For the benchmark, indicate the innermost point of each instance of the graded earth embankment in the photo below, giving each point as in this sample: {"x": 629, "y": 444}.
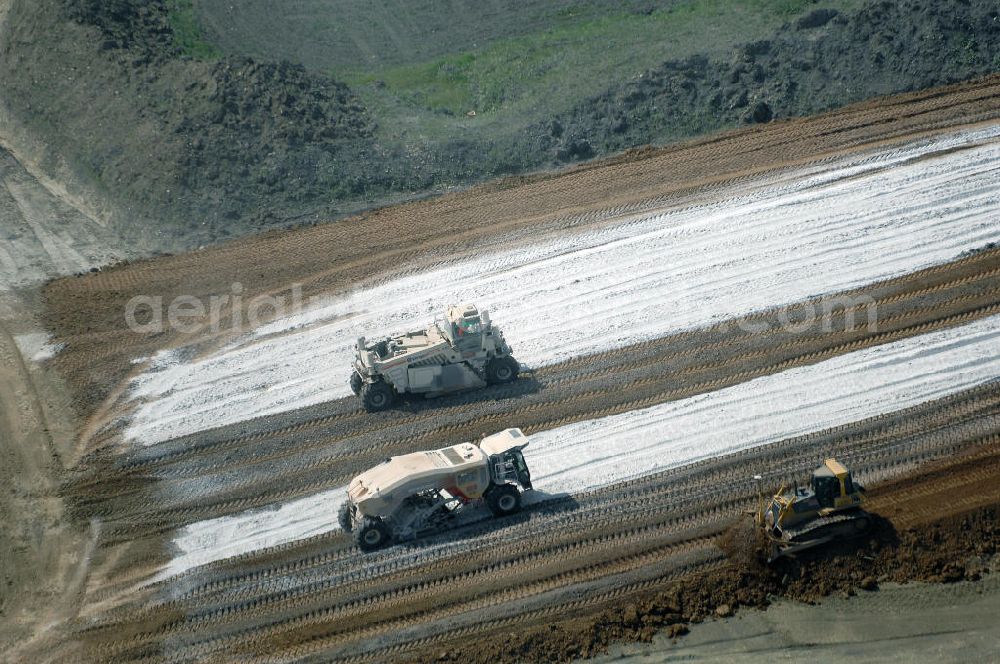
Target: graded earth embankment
{"x": 580, "y": 562}
{"x": 378, "y": 245}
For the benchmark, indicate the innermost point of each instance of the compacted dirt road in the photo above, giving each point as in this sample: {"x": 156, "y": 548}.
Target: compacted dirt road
{"x": 574, "y": 572}
{"x": 44, "y": 553}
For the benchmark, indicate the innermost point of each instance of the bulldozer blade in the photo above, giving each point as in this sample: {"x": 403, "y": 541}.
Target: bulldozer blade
{"x": 788, "y": 551}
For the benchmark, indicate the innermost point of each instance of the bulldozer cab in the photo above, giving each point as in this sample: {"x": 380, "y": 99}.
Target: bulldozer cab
{"x": 832, "y": 485}
{"x": 805, "y": 518}
{"x": 464, "y": 327}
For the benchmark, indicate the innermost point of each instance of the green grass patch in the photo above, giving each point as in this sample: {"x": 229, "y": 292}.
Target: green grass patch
{"x": 187, "y": 31}
{"x": 576, "y": 55}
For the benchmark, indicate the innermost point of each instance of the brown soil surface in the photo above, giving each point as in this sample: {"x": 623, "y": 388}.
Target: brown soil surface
{"x": 277, "y": 458}
{"x": 42, "y": 553}
{"x": 87, "y": 313}
{"x": 566, "y": 559}
{"x": 921, "y": 538}
{"x": 611, "y": 564}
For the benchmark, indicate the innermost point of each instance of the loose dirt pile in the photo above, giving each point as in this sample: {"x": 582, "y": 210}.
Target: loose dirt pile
{"x": 188, "y": 152}
{"x": 183, "y": 152}
{"x": 582, "y": 563}
{"x": 818, "y": 63}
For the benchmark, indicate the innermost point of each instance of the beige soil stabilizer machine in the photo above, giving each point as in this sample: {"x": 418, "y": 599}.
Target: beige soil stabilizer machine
{"x": 464, "y": 351}
{"x": 412, "y": 495}
{"x": 805, "y": 518}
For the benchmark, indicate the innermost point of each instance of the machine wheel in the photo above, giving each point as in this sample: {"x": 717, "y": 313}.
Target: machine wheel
{"x": 372, "y": 535}
{"x": 501, "y": 370}
{"x": 344, "y": 516}
{"x": 356, "y": 383}
{"x": 503, "y": 499}
{"x": 377, "y": 396}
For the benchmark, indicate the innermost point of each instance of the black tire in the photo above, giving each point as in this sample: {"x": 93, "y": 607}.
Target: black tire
{"x": 372, "y": 535}
{"x": 503, "y": 499}
{"x": 344, "y": 516}
{"x": 502, "y": 370}
{"x": 356, "y": 383}
{"x": 377, "y": 396}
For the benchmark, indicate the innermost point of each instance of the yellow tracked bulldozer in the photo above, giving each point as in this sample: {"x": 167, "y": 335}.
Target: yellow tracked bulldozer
{"x": 807, "y": 517}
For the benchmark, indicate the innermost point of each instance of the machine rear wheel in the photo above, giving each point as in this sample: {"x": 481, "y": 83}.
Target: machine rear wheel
{"x": 377, "y": 396}
{"x": 372, "y": 535}
{"x": 344, "y": 517}
{"x": 356, "y": 383}
{"x": 503, "y": 499}
{"x": 502, "y": 370}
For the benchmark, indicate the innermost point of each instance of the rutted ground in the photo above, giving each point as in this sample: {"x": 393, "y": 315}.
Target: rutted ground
{"x": 569, "y": 557}
{"x": 336, "y": 258}
{"x": 577, "y": 556}
{"x": 591, "y": 454}
{"x": 743, "y": 249}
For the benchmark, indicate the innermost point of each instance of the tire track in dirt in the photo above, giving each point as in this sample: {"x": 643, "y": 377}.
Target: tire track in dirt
{"x": 42, "y": 572}
{"x": 99, "y": 360}
{"x": 688, "y": 268}
{"x": 725, "y": 493}
{"x": 906, "y": 424}
{"x": 905, "y": 288}
{"x": 655, "y": 379}
{"x": 285, "y": 601}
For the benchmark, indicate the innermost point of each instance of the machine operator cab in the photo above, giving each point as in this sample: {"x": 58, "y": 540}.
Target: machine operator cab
{"x": 422, "y": 492}
{"x": 462, "y": 351}
{"x": 506, "y": 459}
{"x": 464, "y": 327}
{"x": 833, "y": 486}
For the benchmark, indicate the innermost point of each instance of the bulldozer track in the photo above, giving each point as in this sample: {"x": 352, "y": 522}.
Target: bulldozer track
{"x": 656, "y": 490}
{"x": 925, "y": 500}
{"x": 664, "y": 486}
{"x": 737, "y": 144}
{"x": 242, "y": 441}
{"x": 494, "y": 214}
{"x": 561, "y": 609}
{"x": 396, "y": 601}
{"x": 466, "y": 632}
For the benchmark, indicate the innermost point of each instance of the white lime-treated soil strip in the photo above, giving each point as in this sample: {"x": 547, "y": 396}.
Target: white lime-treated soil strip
{"x": 841, "y": 226}
{"x": 595, "y": 453}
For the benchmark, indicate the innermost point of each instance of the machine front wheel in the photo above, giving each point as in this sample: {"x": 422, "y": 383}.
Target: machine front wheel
{"x": 502, "y": 370}
{"x": 503, "y": 499}
{"x": 372, "y": 535}
{"x": 377, "y": 396}
{"x": 356, "y": 383}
